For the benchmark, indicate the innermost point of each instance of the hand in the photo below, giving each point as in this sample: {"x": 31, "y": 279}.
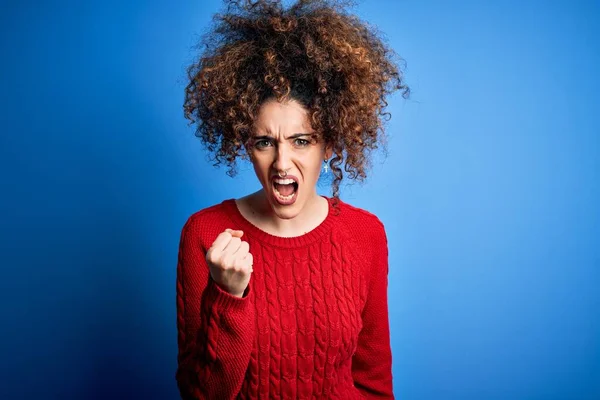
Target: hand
{"x": 230, "y": 262}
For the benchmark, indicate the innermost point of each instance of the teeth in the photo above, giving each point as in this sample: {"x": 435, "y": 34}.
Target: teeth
{"x": 282, "y": 196}
{"x": 284, "y": 181}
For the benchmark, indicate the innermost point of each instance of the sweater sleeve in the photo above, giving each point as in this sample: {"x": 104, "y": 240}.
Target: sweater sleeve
{"x": 372, "y": 362}
{"x": 215, "y": 329}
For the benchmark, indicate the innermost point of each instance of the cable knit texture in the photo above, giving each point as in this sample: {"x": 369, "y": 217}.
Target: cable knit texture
{"x": 313, "y": 321}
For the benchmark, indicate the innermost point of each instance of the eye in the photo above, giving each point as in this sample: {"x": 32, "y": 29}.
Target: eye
{"x": 302, "y": 142}
{"x": 261, "y": 143}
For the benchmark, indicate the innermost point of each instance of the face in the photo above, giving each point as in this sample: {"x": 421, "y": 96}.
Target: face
{"x": 282, "y": 141}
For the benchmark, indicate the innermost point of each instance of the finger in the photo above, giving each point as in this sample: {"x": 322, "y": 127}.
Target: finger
{"x": 221, "y": 241}
{"x": 242, "y": 250}
{"x": 249, "y": 260}
{"x": 224, "y": 237}
{"x": 233, "y": 245}
{"x": 234, "y": 232}
{"x": 248, "y": 257}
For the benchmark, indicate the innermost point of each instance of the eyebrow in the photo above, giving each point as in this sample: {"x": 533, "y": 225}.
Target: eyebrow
{"x": 294, "y": 136}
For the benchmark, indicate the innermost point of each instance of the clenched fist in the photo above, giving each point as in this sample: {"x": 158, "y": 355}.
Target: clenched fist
{"x": 230, "y": 262}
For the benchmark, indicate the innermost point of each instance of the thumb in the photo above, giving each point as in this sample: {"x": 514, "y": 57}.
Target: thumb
{"x": 235, "y": 232}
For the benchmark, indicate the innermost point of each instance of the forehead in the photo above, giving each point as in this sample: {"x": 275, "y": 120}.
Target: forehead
{"x": 274, "y": 117}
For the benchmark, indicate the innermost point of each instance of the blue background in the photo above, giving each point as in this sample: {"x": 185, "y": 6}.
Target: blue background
{"x": 489, "y": 194}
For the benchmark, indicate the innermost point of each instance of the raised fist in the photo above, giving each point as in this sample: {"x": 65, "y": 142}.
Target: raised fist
{"x": 230, "y": 262}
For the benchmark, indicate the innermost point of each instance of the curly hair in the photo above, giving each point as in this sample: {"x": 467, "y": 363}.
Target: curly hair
{"x": 314, "y": 52}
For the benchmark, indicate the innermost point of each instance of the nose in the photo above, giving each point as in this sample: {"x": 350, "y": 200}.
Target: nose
{"x": 283, "y": 161}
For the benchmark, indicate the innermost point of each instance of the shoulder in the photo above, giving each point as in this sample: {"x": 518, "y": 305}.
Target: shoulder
{"x": 361, "y": 214}
{"x": 214, "y": 211}
{"x": 205, "y": 224}
{"x": 368, "y": 235}
{"x": 364, "y": 225}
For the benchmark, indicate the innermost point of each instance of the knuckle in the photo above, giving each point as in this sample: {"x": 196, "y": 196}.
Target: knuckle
{"x": 227, "y": 262}
{"x": 237, "y": 267}
{"x": 211, "y": 257}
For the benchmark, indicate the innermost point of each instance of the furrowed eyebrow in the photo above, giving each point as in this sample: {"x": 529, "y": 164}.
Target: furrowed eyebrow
{"x": 294, "y": 136}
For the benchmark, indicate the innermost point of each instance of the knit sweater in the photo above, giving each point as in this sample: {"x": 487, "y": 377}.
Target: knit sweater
{"x": 312, "y": 323}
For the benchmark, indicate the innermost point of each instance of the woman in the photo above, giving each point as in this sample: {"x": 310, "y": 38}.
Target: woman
{"x": 283, "y": 293}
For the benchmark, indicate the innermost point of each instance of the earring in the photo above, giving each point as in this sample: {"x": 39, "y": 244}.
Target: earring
{"x": 325, "y": 167}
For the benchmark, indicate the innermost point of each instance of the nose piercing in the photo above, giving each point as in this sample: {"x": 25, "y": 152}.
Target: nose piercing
{"x": 284, "y": 174}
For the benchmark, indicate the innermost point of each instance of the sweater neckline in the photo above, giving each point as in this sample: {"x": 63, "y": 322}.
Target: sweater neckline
{"x": 280, "y": 241}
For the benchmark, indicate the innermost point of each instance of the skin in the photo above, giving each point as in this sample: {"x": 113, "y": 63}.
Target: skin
{"x": 301, "y": 156}
{"x": 229, "y": 258}
{"x": 230, "y": 262}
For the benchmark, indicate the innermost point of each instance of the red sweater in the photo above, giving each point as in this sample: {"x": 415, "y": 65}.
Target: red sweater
{"x": 313, "y": 322}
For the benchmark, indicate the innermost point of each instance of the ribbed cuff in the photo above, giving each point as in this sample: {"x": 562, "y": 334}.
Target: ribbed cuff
{"x": 225, "y": 300}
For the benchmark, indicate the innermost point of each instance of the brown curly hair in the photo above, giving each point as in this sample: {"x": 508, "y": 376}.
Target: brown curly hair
{"x": 331, "y": 62}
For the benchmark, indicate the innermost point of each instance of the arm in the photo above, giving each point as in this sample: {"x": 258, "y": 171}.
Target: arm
{"x": 215, "y": 329}
{"x": 372, "y": 362}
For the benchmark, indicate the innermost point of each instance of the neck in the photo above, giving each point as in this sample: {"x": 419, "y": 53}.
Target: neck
{"x": 308, "y": 217}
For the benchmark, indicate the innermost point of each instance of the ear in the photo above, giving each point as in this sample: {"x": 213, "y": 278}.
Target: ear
{"x": 328, "y": 152}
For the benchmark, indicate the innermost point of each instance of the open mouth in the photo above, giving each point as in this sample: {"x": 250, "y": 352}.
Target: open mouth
{"x": 285, "y": 192}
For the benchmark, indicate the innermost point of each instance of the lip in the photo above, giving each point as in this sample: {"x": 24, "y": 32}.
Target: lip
{"x": 293, "y": 199}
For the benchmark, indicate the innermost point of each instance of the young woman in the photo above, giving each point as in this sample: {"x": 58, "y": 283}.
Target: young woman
{"x": 283, "y": 293}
